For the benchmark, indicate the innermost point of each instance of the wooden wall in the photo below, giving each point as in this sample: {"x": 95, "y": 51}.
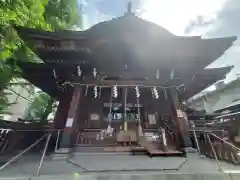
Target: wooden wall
{"x": 89, "y": 105}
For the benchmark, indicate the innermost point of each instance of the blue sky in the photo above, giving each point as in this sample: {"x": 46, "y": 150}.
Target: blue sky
{"x": 208, "y": 18}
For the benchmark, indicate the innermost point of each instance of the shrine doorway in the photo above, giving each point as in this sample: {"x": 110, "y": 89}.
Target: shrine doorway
{"x": 117, "y": 115}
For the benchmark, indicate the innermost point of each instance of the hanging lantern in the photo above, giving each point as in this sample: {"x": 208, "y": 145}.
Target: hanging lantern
{"x": 95, "y": 92}
{"x": 115, "y": 91}
{"x": 137, "y": 92}
{"x": 157, "y": 74}
{"x": 94, "y": 72}
{"x": 79, "y": 71}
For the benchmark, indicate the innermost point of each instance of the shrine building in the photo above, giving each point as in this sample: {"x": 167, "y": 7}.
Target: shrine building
{"x": 122, "y": 84}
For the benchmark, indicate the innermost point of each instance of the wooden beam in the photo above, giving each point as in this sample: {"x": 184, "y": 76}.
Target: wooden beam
{"x": 120, "y": 83}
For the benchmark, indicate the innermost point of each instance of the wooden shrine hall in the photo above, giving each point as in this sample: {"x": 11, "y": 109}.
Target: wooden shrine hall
{"x": 121, "y": 84}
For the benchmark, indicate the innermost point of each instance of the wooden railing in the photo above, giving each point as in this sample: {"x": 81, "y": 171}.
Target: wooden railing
{"x": 204, "y": 125}
{"x": 8, "y": 140}
{"x": 173, "y": 134}
{"x": 12, "y": 140}
{"x": 170, "y": 132}
{"x": 215, "y": 147}
{"x": 93, "y": 137}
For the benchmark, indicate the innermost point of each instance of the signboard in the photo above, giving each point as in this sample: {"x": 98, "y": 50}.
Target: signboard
{"x": 151, "y": 119}
{"x": 180, "y": 113}
{"x": 69, "y": 122}
{"x": 94, "y": 117}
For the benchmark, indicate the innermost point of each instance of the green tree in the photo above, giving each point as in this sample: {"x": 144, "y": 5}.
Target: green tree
{"x": 62, "y": 14}
{"x": 41, "y": 106}
{"x": 41, "y": 14}
{"x": 4, "y": 103}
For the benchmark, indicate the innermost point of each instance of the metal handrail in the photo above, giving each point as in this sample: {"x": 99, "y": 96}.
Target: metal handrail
{"x": 195, "y": 138}
{"x": 201, "y": 130}
{"x": 165, "y": 124}
{"x": 23, "y": 152}
{"x": 169, "y": 132}
{"x": 214, "y": 152}
{"x": 57, "y": 140}
{"x": 230, "y": 144}
{"x": 44, "y": 153}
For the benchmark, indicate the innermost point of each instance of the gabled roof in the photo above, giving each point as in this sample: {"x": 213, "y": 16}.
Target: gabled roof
{"x": 204, "y": 79}
{"x": 127, "y": 47}
{"x": 127, "y": 40}
{"x": 222, "y": 88}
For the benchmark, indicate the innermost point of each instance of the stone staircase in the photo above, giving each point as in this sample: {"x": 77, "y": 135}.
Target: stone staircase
{"x": 144, "y": 176}
{"x": 125, "y": 167}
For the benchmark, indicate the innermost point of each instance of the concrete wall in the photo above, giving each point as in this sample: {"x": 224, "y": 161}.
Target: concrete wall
{"x": 218, "y": 99}
{"x": 19, "y": 98}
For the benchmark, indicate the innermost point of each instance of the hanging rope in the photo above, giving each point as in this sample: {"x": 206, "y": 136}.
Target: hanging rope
{"x": 140, "y": 132}
{"x": 125, "y": 85}
{"x": 100, "y": 91}
{"x": 165, "y": 93}
{"x": 86, "y": 91}
{"x": 109, "y": 128}
{"x": 125, "y": 110}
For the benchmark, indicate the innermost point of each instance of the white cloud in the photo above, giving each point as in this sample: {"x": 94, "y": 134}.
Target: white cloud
{"x": 224, "y": 16}
{"x": 91, "y": 14}
{"x": 176, "y": 15}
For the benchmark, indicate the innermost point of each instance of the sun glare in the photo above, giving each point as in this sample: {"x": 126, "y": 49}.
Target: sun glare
{"x": 176, "y": 15}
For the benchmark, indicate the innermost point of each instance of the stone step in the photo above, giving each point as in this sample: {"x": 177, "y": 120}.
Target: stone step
{"x": 88, "y": 149}
{"x": 190, "y": 150}
{"x": 60, "y": 156}
{"x": 144, "y": 176}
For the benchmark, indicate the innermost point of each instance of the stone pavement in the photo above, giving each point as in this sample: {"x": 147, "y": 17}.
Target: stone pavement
{"x": 99, "y": 167}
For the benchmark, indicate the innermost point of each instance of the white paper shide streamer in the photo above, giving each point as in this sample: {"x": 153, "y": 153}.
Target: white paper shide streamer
{"x": 155, "y": 93}
{"x": 115, "y": 91}
{"x": 94, "y": 72}
{"x": 95, "y": 91}
{"x": 79, "y": 71}
{"x": 137, "y": 92}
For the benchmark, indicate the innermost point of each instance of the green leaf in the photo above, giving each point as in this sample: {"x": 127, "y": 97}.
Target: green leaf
{"x": 40, "y": 14}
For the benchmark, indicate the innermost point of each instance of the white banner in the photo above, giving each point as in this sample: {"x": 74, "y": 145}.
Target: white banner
{"x": 69, "y": 122}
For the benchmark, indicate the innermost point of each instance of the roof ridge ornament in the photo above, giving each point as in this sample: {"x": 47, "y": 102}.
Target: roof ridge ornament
{"x": 129, "y": 9}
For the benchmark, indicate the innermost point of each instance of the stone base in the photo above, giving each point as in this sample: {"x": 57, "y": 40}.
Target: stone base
{"x": 166, "y": 176}
{"x": 63, "y": 151}
{"x": 62, "y": 154}
{"x": 190, "y": 150}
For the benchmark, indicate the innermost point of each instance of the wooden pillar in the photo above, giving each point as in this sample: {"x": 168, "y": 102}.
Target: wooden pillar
{"x": 180, "y": 117}
{"x": 66, "y": 140}
{"x": 61, "y": 114}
